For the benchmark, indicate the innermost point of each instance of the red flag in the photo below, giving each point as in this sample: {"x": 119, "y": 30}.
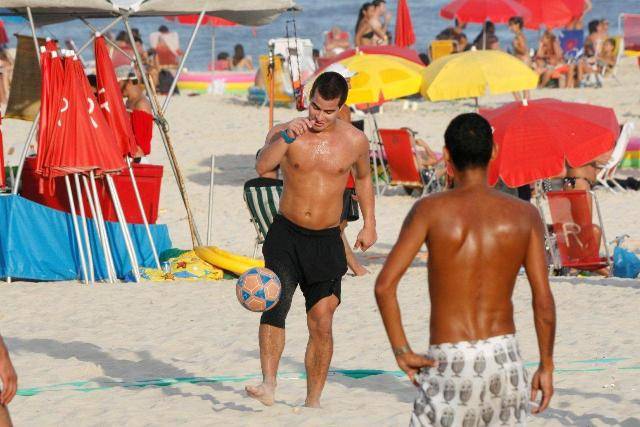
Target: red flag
{"x": 82, "y": 140}
{"x": 111, "y": 102}
{"x": 404, "y": 28}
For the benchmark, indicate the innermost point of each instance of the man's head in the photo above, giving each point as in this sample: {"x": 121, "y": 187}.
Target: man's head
{"x": 516, "y": 23}
{"x": 468, "y": 142}
{"x": 381, "y": 7}
{"x": 594, "y": 26}
{"x": 328, "y": 94}
{"x": 163, "y": 29}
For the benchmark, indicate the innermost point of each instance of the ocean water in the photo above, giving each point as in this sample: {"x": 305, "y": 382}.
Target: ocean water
{"x": 317, "y": 17}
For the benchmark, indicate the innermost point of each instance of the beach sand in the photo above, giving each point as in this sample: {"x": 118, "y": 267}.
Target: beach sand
{"x": 84, "y": 350}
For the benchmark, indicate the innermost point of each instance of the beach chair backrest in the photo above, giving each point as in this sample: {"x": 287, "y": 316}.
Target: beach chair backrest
{"x": 617, "y": 156}
{"x": 401, "y": 160}
{"x": 262, "y": 196}
{"x": 631, "y": 32}
{"x": 440, "y": 48}
{"x": 572, "y": 42}
{"x": 578, "y": 239}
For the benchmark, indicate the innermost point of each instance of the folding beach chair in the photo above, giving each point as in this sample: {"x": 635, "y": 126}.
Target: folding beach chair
{"x": 575, "y": 241}
{"x": 572, "y": 43}
{"x": 262, "y": 196}
{"x": 629, "y": 27}
{"x": 440, "y": 48}
{"x": 617, "y": 156}
{"x": 402, "y": 164}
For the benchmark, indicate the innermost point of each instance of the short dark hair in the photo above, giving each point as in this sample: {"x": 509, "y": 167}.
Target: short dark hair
{"x": 331, "y": 85}
{"x": 469, "y": 140}
{"x": 516, "y": 20}
{"x": 593, "y": 26}
{"x": 377, "y": 3}
{"x": 163, "y": 29}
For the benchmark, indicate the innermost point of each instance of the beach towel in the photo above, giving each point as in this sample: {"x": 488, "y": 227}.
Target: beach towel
{"x": 187, "y": 266}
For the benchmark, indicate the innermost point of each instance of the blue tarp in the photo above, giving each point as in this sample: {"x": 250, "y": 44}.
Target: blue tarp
{"x": 38, "y": 243}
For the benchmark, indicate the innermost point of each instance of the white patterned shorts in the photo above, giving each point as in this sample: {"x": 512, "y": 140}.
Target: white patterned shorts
{"x": 476, "y": 383}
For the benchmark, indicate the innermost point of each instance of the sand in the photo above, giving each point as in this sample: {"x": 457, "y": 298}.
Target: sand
{"x": 88, "y": 348}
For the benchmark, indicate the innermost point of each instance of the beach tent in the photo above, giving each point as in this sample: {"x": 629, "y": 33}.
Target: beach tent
{"x": 244, "y": 12}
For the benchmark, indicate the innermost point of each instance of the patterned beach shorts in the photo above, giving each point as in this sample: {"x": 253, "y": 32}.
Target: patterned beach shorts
{"x": 476, "y": 383}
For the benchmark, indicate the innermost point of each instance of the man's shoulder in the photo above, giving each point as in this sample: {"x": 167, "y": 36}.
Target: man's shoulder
{"x": 351, "y": 132}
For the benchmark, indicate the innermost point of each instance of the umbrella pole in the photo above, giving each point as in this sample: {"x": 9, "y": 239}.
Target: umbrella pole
{"x": 143, "y": 214}
{"x": 98, "y": 220}
{"x": 164, "y": 133}
{"x": 85, "y": 230}
{"x": 76, "y": 230}
{"x": 380, "y": 148}
{"x": 180, "y": 66}
{"x": 210, "y": 217}
{"x": 125, "y": 229}
{"x": 272, "y": 83}
{"x": 23, "y": 154}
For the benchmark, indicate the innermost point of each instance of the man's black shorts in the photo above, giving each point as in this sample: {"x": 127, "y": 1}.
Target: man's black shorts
{"x": 315, "y": 259}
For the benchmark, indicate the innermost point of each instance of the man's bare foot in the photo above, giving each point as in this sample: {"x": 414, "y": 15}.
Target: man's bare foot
{"x": 359, "y": 270}
{"x": 312, "y": 404}
{"x": 263, "y": 393}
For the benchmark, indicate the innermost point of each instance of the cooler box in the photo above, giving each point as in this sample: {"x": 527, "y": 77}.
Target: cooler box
{"x": 148, "y": 177}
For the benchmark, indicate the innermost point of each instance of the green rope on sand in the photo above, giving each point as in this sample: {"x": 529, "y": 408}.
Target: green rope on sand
{"x": 89, "y": 386}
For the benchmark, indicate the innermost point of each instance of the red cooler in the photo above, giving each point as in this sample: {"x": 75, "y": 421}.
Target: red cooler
{"x": 148, "y": 177}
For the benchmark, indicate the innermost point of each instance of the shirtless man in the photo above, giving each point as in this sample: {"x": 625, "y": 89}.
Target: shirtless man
{"x": 303, "y": 246}
{"x": 9, "y": 382}
{"x": 477, "y": 238}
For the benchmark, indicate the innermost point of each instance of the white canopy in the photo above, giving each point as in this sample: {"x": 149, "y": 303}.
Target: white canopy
{"x": 245, "y": 12}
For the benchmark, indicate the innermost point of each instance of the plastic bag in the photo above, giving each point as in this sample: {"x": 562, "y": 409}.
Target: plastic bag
{"x": 626, "y": 264}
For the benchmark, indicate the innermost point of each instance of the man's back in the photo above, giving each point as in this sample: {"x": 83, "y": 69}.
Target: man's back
{"x": 475, "y": 253}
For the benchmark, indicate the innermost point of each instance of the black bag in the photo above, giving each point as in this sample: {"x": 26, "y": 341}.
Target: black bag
{"x": 165, "y": 79}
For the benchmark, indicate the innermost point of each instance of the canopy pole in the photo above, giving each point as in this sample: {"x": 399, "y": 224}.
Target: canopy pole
{"x": 182, "y": 62}
{"x": 128, "y": 242}
{"x": 210, "y": 217}
{"x": 102, "y": 229}
{"x": 23, "y": 154}
{"x": 85, "y": 230}
{"x": 93, "y": 37}
{"x": 76, "y": 230}
{"x": 108, "y": 40}
{"x": 164, "y": 133}
{"x": 33, "y": 33}
{"x": 143, "y": 214}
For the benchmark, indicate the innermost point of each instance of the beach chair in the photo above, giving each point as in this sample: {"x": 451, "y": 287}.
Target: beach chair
{"x": 575, "y": 242}
{"x": 619, "y": 52}
{"x": 440, "y": 48}
{"x": 262, "y": 196}
{"x": 629, "y": 27}
{"x": 617, "y": 156}
{"x": 572, "y": 43}
{"x": 402, "y": 164}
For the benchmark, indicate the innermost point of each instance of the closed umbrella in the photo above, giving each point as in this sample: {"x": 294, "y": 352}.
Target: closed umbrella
{"x": 110, "y": 98}
{"x": 479, "y": 11}
{"x": 475, "y": 73}
{"x": 537, "y": 138}
{"x": 404, "y": 28}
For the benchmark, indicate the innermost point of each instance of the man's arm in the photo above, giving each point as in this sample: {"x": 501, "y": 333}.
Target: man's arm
{"x": 275, "y": 146}
{"x": 364, "y": 189}
{"x": 544, "y": 311}
{"x": 7, "y": 376}
{"x": 412, "y": 236}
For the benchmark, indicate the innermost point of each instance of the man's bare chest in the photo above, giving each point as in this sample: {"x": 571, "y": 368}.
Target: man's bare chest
{"x": 323, "y": 155}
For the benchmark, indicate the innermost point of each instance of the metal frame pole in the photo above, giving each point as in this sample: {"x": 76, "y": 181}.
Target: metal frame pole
{"x": 96, "y": 211}
{"x": 97, "y": 32}
{"x": 210, "y": 217}
{"x": 174, "y": 83}
{"x": 85, "y": 230}
{"x": 23, "y": 154}
{"x": 380, "y": 149}
{"x": 164, "y": 133}
{"x": 76, "y": 230}
{"x": 123, "y": 226}
{"x": 143, "y": 213}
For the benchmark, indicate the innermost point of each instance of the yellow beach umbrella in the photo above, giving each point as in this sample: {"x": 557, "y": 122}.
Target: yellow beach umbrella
{"x": 473, "y": 73}
{"x": 381, "y": 78}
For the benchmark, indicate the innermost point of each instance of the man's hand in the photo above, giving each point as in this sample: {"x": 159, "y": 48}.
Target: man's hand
{"x": 543, "y": 381}
{"x": 366, "y": 238}
{"x": 298, "y": 127}
{"x": 411, "y": 363}
{"x": 8, "y": 377}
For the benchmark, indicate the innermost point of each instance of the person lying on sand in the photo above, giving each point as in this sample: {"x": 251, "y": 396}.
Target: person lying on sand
{"x": 9, "y": 384}
{"x": 477, "y": 238}
{"x": 303, "y": 246}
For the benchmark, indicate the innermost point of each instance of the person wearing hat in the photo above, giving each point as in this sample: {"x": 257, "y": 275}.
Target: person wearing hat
{"x": 139, "y": 108}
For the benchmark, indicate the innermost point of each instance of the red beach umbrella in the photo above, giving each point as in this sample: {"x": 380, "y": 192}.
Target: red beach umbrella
{"x": 404, "y": 28}
{"x": 110, "y": 98}
{"x": 536, "y": 138}
{"x": 549, "y": 14}
{"x": 213, "y": 21}
{"x": 82, "y": 140}
{"x": 479, "y": 11}
{"x": 400, "y": 52}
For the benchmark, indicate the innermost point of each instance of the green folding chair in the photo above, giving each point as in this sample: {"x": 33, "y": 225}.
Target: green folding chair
{"x": 262, "y": 196}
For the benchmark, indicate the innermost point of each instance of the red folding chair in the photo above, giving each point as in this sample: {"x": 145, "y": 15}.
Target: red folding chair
{"x": 400, "y": 159}
{"x": 577, "y": 239}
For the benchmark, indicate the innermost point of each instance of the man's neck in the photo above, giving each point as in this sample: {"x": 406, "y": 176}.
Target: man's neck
{"x": 475, "y": 178}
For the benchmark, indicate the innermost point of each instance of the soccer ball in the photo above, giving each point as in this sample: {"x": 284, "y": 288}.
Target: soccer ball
{"x": 258, "y": 289}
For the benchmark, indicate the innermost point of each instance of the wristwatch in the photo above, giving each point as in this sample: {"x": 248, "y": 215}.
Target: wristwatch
{"x": 286, "y": 137}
